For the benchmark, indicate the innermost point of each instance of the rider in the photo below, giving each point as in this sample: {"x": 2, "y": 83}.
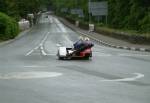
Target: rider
{"x": 83, "y": 44}
{"x": 88, "y": 43}
{"x": 79, "y": 44}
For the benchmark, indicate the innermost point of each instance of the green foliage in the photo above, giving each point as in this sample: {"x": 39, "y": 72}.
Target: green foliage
{"x": 145, "y": 24}
{"x": 8, "y": 27}
{"x": 129, "y": 14}
{"x": 16, "y": 9}
{"x": 28, "y": 6}
{"x": 118, "y": 12}
{"x": 122, "y": 14}
{"x": 10, "y": 8}
{"x": 20, "y": 8}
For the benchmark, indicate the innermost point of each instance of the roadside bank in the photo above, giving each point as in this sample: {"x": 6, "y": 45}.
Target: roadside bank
{"x": 106, "y": 40}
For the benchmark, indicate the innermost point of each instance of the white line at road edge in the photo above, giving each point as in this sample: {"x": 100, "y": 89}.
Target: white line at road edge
{"x": 29, "y": 75}
{"x": 138, "y": 76}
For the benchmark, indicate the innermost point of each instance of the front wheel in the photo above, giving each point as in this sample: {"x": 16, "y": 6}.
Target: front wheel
{"x": 87, "y": 57}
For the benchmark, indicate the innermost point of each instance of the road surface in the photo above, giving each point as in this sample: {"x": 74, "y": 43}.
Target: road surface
{"x": 31, "y": 73}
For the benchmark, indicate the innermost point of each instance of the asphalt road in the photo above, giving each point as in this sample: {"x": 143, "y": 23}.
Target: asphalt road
{"x": 31, "y": 73}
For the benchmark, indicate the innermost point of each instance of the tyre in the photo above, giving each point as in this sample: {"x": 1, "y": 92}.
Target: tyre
{"x": 86, "y": 57}
{"x": 60, "y": 58}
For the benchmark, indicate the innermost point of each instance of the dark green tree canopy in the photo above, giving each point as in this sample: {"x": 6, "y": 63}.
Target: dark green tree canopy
{"x": 20, "y": 8}
{"x": 122, "y": 14}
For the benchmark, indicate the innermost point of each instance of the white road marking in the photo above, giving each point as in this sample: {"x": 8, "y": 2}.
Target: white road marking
{"x": 42, "y": 50}
{"x": 58, "y": 45}
{"x": 45, "y": 37}
{"x": 40, "y": 46}
{"x": 31, "y": 51}
{"x": 34, "y": 66}
{"x": 29, "y": 75}
{"x": 138, "y": 76}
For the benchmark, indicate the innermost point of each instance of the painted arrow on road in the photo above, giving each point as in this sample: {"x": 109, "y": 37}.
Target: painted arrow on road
{"x": 137, "y": 76}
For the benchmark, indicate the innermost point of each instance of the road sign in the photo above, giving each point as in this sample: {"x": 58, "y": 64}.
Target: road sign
{"x": 99, "y": 12}
{"x": 98, "y": 8}
{"x": 77, "y": 11}
{"x": 64, "y": 10}
{"x": 73, "y": 11}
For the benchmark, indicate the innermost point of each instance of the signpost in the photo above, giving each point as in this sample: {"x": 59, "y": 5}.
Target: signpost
{"x": 98, "y": 9}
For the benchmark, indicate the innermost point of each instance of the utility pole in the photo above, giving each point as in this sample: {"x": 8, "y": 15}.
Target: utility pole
{"x": 57, "y": 9}
{"x": 89, "y": 12}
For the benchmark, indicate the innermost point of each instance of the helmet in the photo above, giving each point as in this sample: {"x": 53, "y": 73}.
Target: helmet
{"x": 86, "y": 39}
{"x": 80, "y": 38}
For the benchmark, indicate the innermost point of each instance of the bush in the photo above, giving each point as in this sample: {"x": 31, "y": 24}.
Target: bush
{"x": 145, "y": 24}
{"x": 9, "y": 28}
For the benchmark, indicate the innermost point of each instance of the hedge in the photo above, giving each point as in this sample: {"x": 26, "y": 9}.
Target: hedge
{"x": 9, "y": 28}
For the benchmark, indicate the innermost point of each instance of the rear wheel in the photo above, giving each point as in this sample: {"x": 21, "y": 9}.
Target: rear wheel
{"x": 87, "y": 57}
